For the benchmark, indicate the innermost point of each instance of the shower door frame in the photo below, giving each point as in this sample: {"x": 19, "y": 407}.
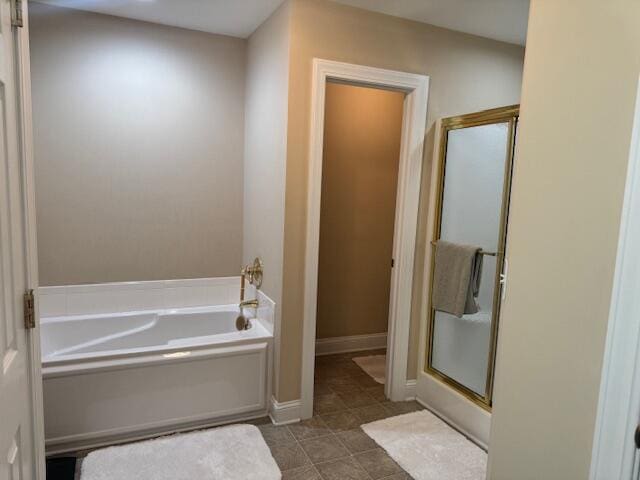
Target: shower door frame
{"x": 508, "y": 115}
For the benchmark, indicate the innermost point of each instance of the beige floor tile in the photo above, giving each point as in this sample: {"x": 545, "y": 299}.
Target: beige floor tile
{"x": 289, "y": 455}
{"x": 324, "y": 449}
{"x": 274, "y": 435}
{"x": 377, "y": 463}
{"x": 329, "y": 403}
{"x": 357, "y": 441}
{"x": 343, "y": 469}
{"x": 342, "y": 421}
{"x": 302, "y": 473}
{"x": 311, "y": 428}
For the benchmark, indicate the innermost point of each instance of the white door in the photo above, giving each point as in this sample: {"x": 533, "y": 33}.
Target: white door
{"x": 17, "y": 448}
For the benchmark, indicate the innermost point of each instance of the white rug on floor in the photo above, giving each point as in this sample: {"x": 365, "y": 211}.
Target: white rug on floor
{"x": 237, "y": 452}
{"x": 374, "y": 365}
{"x": 427, "y": 448}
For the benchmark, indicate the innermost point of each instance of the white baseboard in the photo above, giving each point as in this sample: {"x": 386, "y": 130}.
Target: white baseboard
{"x": 88, "y": 442}
{"x": 355, "y": 343}
{"x": 285, "y": 412}
{"x": 461, "y": 413}
{"x": 411, "y": 390}
{"x": 454, "y": 425}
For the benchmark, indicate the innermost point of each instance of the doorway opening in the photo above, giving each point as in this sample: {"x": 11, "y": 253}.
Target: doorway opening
{"x": 362, "y": 132}
{"x": 365, "y": 170}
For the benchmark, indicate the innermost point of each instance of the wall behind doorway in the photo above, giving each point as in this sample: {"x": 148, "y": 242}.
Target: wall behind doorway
{"x": 466, "y": 73}
{"x": 138, "y": 132}
{"x": 362, "y": 136}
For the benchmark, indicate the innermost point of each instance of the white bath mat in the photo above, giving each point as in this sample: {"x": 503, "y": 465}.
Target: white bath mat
{"x": 427, "y": 448}
{"x": 237, "y": 452}
{"x": 374, "y": 365}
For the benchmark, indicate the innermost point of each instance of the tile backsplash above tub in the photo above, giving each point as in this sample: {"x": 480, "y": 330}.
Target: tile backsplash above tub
{"x": 132, "y": 296}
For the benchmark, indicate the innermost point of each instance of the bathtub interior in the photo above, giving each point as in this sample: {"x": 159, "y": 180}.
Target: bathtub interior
{"x": 177, "y": 313}
{"x": 92, "y": 335}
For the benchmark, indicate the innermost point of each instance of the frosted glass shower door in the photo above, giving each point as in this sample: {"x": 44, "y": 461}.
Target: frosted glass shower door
{"x": 472, "y": 200}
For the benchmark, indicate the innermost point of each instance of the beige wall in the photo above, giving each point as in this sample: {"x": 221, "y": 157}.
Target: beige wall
{"x": 362, "y": 132}
{"x": 266, "y": 147}
{"x": 265, "y": 143}
{"x": 138, "y": 144}
{"x": 467, "y": 74}
{"x": 580, "y": 78}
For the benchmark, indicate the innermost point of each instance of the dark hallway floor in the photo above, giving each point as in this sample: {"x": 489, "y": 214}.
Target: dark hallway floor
{"x": 331, "y": 445}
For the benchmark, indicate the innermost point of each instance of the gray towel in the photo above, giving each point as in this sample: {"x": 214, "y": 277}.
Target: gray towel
{"x": 456, "y": 278}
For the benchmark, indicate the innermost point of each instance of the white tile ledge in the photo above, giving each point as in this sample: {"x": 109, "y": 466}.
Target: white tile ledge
{"x": 139, "y": 285}
{"x": 55, "y": 301}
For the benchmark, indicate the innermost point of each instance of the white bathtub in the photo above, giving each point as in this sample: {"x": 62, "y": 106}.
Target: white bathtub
{"x": 119, "y": 376}
{"x": 79, "y": 339}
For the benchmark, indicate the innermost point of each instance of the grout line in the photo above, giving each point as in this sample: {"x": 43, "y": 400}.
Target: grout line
{"x": 295, "y": 439}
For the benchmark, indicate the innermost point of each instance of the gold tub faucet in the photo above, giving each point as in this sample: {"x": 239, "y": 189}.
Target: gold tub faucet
{"x": 253, "y": 273}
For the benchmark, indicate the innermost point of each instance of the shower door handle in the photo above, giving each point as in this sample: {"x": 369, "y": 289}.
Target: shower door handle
{"x": 503, "y": 280}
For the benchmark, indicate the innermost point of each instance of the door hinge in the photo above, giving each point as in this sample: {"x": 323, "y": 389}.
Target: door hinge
{"x": 16, "y": 13}
{"x": 393, "y": 262}
{"x": 29, "y": 310}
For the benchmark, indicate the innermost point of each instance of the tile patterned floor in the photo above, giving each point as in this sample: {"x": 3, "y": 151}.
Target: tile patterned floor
{"x": 331, "y": 445}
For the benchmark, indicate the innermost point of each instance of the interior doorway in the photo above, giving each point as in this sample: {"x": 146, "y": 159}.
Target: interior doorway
{"x": 362, "y": 132}
{"x": 399, "y": 202}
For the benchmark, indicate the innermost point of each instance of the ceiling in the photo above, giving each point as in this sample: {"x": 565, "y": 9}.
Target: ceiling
{"x": 238, "y": 18}
{"x": 504, "y": 20}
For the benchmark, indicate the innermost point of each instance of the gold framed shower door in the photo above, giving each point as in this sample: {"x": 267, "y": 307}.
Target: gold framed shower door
{"x": 510, "y": 116}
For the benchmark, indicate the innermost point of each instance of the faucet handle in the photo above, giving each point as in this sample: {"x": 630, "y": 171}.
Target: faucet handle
{"x": 254, "y": 272}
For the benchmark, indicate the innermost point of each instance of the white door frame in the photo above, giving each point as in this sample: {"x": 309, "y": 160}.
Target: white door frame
{"x": 614, "y": 454}
{"x": 25, "y": 129}
{"x": 414, "y": 120}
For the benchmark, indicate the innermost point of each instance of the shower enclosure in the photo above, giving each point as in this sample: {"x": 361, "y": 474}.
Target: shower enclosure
{"x": 472, "y": 205}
